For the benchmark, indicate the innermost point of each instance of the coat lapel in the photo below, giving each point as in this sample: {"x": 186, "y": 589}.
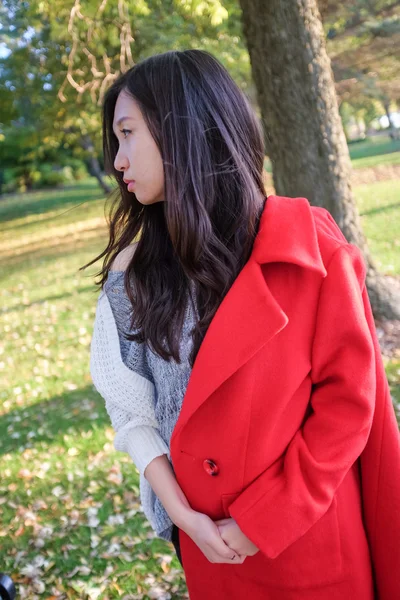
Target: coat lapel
{"x": 249, "y": 315}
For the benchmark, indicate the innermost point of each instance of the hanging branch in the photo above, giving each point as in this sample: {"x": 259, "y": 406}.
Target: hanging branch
{"x": 98, "y": 79}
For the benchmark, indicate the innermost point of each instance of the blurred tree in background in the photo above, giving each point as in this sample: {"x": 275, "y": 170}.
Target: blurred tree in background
{"x": 59, "y": 57}
{"x": 64, "y": 54}
{"x": 363, "y": 41}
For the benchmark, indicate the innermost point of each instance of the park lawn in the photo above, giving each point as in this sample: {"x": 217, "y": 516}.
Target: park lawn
{"x": 69, "y": 509}
{"x": 374, "y": 152}
{"x": 71, "y": 523}
{"x": 392, "y": 158}
{"x": 379, "y": 209}
{"x": 373, "y": 147}
{"x": 371, "y": 152}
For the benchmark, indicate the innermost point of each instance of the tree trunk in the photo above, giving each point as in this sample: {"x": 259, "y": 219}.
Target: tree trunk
{"x": 92, "y": 163}
{"x": 303, "y": 131}
{"x": 393, "y": 133}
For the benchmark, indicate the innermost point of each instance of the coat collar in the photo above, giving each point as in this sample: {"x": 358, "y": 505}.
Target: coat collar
{"x": 249, "y": 315}
{"x": 287, "y": 233}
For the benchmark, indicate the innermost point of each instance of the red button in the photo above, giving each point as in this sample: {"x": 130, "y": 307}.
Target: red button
{"x": 210, "y": 467}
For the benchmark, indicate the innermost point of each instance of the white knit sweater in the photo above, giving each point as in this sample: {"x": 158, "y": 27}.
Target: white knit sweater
{"x": 143, "y": 393}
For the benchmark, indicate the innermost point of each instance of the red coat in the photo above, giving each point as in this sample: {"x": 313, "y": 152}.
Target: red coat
{"x": 289, "y": 400}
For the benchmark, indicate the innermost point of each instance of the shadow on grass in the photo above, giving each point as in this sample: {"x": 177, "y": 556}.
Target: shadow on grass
{"x": 47, "y": 221}
{"x": 373, "y": 147}
{"x": 20, "y": 307}
{"x": 380, "y": 209}
{"x": 62, "y": 415}
{"x": 51, "y": 419}
{"x": 42, "y": 201}
{"x": 38, "y": 259}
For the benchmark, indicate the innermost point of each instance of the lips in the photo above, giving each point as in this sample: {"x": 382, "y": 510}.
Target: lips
{"x": 130, "y": 183}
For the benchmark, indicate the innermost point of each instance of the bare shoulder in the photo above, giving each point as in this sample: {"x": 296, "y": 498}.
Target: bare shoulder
{"x": 123, "y": 258}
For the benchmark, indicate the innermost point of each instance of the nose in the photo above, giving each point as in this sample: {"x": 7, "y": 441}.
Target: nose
{"x": 120, "y": 162}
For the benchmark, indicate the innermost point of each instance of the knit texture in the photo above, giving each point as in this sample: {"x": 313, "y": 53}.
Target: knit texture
{"x": 143, "y": 393}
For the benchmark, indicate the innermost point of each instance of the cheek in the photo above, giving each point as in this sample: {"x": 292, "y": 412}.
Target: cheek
{"x": 131, "y": 148}
{"x": 139, "y": 153}
{"x": 152, "y": 163}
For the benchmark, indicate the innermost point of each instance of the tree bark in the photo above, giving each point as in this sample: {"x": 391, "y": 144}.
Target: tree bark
{"x": 304, "y": 135}
{"x": 92, "y": 163}
{"x": 393, "y": 133}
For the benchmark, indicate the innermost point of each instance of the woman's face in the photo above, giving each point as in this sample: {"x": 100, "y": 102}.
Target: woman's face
{"x": 138, "y": 156}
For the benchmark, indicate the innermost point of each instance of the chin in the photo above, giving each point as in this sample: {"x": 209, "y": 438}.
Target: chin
{"x": 143, "y": 199}
{"x": 151, "y": 201}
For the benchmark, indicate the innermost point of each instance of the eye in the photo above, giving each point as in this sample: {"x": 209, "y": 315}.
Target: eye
{"x": 125, "y": 132}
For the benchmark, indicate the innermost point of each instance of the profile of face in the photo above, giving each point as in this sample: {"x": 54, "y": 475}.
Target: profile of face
{"x": 138, "y": 156}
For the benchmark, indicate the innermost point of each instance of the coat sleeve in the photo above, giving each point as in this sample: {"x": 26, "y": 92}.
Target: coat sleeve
{"x": 380, "y": 481}
{"x": 282, "y": 504}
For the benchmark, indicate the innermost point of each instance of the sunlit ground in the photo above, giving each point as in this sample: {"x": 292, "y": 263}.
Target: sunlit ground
{"x": 70, "y": 520}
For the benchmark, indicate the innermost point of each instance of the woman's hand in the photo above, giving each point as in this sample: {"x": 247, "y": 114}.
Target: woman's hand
{"x": 234, "y": 537}
{"x": 205, "y": 534}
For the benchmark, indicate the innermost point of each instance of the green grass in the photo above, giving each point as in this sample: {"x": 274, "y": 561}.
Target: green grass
{"x": 59, "y": 470}
{"x": 57, "y": 460}
{"x": 379, "y": 207}
{"x": 376, "y": 161}
{"x": 373, "y": 146}
{"x": 371, "y": 152}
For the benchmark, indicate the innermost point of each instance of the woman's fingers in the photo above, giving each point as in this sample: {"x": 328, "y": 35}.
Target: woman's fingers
{"x": 224, "y": 552}
{"x": 205, "y": 534}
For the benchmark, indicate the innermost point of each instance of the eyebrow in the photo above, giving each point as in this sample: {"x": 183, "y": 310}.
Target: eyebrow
{"x": 123, "y": 119}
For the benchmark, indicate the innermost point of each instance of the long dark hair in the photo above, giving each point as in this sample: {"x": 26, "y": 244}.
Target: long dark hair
{"x": 212, "y": 146}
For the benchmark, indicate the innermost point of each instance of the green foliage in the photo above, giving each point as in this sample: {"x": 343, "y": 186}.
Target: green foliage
{"x": 365, "y": 108}
{"x": 77, "y": 168}
{"x": 47, "y": 176}
{"x": 48, "y": 40}
{"x": 362, "y": 42}
{"x": 31, "y": 161}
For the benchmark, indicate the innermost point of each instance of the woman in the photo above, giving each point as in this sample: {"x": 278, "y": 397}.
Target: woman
{"x": 235, "y": 349}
